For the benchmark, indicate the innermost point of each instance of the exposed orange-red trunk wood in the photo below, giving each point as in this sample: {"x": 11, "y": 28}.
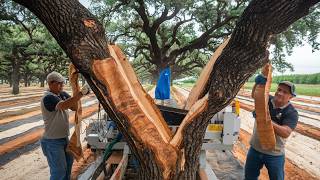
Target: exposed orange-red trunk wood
{"x": 74, "y": 145}
{"x": 144, "y": 97}
{"x": 143, "y": 121}
{"x": 264, "y": 124}
{"x": 199, "y": 107}
{"x": 198, "y": 88}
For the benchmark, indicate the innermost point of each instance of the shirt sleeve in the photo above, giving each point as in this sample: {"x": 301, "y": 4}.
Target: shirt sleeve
{"x": 291, "y": 119}
{"x": 50, "y": 102}
{"x": 65, "y": 95}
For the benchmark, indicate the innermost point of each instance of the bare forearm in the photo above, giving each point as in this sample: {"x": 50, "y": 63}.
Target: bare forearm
{"x": 282, "y": 131}
{"x": 70, "y": 103}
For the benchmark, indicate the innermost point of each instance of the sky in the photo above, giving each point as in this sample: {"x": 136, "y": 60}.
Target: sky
{"x": 304, "y": 61}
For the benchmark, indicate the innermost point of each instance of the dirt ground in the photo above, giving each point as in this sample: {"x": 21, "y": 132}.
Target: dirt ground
{"x": 303, "y": 160}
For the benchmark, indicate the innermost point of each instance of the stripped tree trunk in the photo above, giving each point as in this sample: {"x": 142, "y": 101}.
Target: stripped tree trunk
{"x": 161, "y": 154}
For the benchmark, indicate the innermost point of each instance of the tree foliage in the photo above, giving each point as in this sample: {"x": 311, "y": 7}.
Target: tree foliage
{"x": 184, "y": 34}
{"x": 27, "y": 52}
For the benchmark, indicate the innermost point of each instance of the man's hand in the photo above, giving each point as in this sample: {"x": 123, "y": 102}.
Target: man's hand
{"x": 85, "y": 89}
{"x": 260, "y": 79}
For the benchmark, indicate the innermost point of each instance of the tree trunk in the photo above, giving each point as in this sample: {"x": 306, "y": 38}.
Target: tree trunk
{"x": 15, "y": 76}
{"x": 9, "y": 79}
{"x": 155, "y": 77}
{"x": 26, "y": 79}
{"x": 161, "y": 154}
{"x": 42, "y": 80}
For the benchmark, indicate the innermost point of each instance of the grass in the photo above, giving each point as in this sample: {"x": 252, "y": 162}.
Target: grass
{"x": 301, "y": 89}
{"x": 147, "y": 87}
{"x": 186, "y": 85}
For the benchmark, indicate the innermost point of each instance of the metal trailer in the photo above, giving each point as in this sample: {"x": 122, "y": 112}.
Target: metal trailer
{"x": 221, "y": 134}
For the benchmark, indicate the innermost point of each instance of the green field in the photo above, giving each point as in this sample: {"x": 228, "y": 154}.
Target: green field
{"x": 187, "y": 85}
{"x": 302, "y": 89}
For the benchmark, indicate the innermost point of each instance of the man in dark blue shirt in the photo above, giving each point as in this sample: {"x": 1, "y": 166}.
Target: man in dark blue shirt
{"x": 284, "y": 120}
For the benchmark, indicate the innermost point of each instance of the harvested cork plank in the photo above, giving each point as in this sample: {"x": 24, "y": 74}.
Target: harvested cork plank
{"x": 264, "y": 124}
{"x": 198, "y": 88}
{"x": 74, "y": 146}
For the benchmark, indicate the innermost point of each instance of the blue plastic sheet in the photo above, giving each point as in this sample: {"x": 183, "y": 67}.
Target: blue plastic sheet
{"x": 163, "y": 85}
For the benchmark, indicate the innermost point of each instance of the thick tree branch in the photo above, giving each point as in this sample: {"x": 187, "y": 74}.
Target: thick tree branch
{"x": 202, "y": 40}
{"x": 164, "y": 17}
{"x": 168, "y": 45}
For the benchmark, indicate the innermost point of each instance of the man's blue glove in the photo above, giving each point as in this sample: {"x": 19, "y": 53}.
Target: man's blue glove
{"x": 260, "y": 79}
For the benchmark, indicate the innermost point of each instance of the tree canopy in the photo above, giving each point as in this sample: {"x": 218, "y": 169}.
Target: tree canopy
{"x": 154, "y": 34}
{"x": 183, "y": 35}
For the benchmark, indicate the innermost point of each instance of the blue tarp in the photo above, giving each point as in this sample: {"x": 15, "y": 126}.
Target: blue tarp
{"x": 163, "y": 85}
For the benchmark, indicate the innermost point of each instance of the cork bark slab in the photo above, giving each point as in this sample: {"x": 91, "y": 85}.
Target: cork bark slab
{"x": 198, "y": 88}
{"x": 264, "y": 125}
{"x": 74, "y": 146}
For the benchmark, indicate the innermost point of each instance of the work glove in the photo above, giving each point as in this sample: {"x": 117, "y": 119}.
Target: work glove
{"x": 260, "y": 79}
{"x": 254, "y": 114}
{"x": 85, "y": 89}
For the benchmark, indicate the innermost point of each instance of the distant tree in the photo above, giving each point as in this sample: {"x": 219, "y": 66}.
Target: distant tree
{"x": 298, "y": 78}
{"x": 27, "y": 47}
{"x": 183, "y": 34}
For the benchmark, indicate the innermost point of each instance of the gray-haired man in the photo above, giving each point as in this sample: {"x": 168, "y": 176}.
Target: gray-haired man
{"x": 54, "y": 107}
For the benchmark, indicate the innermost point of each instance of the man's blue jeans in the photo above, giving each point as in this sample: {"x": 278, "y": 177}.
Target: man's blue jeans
{"x": 60, "y": 161}
{"x": 256, "y": 160}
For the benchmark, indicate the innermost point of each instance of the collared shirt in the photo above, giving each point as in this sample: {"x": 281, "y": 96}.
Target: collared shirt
{"x": 56, "y": 122}
{"x": 285, "y": 115}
